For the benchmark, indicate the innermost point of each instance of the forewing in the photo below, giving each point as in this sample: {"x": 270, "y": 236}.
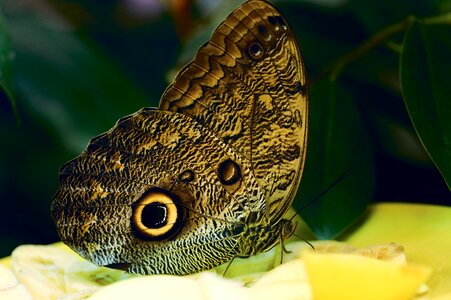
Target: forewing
{"x": 247, "y": 85}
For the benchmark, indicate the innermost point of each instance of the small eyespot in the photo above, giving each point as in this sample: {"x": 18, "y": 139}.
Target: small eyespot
{"x": 281, "y": 22}
{"x": 186, "y": 176}
{"x": 277, "y": 22}
{"x": 263, "y": 31}
{"x": 255, "y": 50}
{"x": 229, "y": 172}
{"x": 156, "y": 216}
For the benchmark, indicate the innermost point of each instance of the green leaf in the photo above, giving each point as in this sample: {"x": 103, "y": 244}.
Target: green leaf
{"x": 312, "y": 27}
{"x": 425, "y": 69}
{"x": 376, "y": 15}
{"x": 68, "y": 84}
{"x": 6, "y": 57}
{"x": 338, "y": 141}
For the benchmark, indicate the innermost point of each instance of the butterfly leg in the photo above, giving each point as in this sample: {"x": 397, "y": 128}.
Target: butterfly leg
{"x": 228, "y": 266}
{"x": 283, "y": 249}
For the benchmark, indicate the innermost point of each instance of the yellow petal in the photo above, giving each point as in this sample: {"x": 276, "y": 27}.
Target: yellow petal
{"x": 354, "y": 277}
{"x": 10, "y": 288}
{"x": 424, "y": 232}
{"x": 287, "y": 281}
{"x": 205, "y": 285}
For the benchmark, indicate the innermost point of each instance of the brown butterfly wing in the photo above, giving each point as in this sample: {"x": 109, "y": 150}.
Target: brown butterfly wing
{"x": 248, "y": 86}
{"x": 154, "y": 152}
{"x": 236, "y": 139}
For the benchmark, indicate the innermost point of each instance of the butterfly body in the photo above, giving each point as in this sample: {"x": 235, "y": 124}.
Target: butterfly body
{"x": 209, "y": 175}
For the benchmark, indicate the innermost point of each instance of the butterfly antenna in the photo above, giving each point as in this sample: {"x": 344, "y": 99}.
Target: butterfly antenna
{"x": 304, "y": 240}
{"x": 332, "y": 185}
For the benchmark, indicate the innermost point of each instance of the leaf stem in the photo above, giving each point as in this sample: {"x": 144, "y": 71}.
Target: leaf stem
{"x": 336, "y": 67}
{"x": 440, "y": 19}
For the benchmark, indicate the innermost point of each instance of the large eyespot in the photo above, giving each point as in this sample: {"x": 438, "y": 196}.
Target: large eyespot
{"x": 256, "y": 50}
{"x": 229, "y": 172}
{"x": 156, "y": 215}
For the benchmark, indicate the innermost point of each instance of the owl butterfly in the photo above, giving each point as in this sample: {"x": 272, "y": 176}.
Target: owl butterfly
{"x": 208, "y": 176}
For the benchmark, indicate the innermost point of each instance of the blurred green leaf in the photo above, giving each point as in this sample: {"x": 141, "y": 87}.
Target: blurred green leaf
{"x": 338, "y": 141}
{"x": 324, "y": 34}
{"x": 375, "y": 15}
{"x": 28, "y": 179}
{"x": 378, "y": 68}
{"x": 68, "y": 84}
{"x": 425, "y": 76}
{"x": 68, "y": 91}
{"x": 6, "y": 57}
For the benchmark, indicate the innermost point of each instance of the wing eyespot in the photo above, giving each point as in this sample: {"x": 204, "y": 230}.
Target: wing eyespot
{"x": 264, "y": 32}
{"x": 277, "y": 23}
{"x": 186, "y": 176}
{"x": 156, "y": 215}
{"x": 229, "y": 172}
{"x": 256, "y": 50}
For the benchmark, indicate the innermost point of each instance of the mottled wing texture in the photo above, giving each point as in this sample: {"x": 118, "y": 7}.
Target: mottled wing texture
{"x": 209, "y": 175}
{"x": 247, "y": 85}
{"x": 152, "y": 148}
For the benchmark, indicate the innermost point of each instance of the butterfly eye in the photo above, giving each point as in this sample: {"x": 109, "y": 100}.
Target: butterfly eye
{"x": 255, "y": 50}
{"x": 229, "y": 172}
{"x": 155, "y": 215}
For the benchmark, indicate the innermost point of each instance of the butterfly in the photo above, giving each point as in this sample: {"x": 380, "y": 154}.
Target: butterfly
{"x": 207, "y": 176}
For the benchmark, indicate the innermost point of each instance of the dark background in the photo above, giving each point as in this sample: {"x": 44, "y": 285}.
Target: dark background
{"x": 75, "y": 67}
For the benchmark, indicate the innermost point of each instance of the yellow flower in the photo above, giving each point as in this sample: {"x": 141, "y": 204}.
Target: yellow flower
{"x": 412, "y": 258}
